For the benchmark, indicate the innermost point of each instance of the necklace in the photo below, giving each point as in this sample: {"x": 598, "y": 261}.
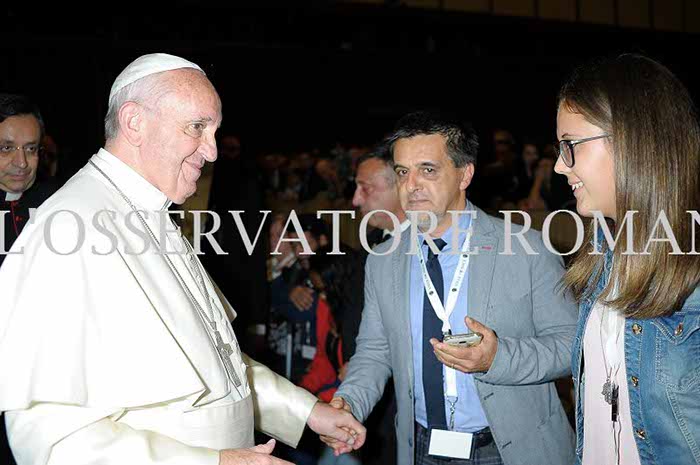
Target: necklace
{"x": 224, "y": 350}
{"x": 611, "y": 357}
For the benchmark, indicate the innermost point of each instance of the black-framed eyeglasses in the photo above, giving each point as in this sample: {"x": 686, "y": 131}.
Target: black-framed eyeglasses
{"x": 566, "y": 148}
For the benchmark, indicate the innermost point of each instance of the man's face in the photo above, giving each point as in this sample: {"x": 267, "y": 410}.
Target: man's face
{"x": 18, "y": 166}
{"x": 376, "y": 191}
{"x": 428, "y": 179}
{"x": 305, "y": 161}
{"x": 326, "y": 170}
{"x": 180, "y": 135}
{"x": 502, "y": 144}
{"x": 530, "y": 154}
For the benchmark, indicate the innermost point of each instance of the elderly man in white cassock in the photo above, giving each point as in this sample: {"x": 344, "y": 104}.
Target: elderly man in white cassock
{"x": 115, "y": 345}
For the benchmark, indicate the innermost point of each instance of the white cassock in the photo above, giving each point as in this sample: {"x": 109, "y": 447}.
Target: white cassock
{"x": 104, "y": 358}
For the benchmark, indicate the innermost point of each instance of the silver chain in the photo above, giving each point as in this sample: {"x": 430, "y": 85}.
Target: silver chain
{"x": 183, "y": 284}
{"x": 219, "y": 344}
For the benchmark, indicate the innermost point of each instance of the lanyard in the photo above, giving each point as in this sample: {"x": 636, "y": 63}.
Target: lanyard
{"x": 444, "y": 312}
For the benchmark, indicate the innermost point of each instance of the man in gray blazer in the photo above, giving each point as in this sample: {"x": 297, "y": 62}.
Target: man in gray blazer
{"x": 499, "y": 401}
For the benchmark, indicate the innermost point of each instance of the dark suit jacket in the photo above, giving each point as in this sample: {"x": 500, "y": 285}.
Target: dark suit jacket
{"x": 18, "y": 211}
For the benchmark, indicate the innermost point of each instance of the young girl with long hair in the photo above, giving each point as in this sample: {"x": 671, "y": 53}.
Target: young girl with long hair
{"x": 629, "y": 141}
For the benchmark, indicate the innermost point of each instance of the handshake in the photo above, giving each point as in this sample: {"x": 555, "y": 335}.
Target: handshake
{"x": 333, "y": 422}
{"x": 337, "y": 427}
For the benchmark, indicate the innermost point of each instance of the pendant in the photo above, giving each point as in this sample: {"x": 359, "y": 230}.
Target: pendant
{"x": 225, "y": 351}
{"x": 608, "y": 391}
{"x": 615, "y": 406}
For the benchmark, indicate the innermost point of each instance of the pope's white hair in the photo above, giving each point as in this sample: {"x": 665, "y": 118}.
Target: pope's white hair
{"x": 146, "y": 91}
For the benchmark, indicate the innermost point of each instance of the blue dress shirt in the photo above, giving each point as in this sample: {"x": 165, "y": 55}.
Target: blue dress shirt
{"x": 469, "y": 416}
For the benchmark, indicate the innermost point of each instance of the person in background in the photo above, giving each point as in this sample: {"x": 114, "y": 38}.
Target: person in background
{"x": 334, "y": 278}
{"x": 50, "y": 159}
{"x": 293, "y": 298}
{"x": 21, "y": 132}
{"x": 322, "y": 375}
{"x": 499, "y": 181}
{"x": 377, "y": 190}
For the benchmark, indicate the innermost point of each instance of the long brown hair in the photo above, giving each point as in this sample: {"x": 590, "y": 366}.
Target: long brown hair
{"x": 655, "y": 146}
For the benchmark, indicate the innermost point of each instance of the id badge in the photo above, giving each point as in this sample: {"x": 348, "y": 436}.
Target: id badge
{"x": 450, "y": 444}
{"x": 308, "y": 352}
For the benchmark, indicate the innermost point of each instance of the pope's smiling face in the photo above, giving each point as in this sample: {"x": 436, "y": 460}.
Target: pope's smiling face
{"x": 181, "y": 130}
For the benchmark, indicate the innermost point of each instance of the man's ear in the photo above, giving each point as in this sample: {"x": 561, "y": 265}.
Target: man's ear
{"x": 467, "y": 176}
{"x": 132, "y": 123}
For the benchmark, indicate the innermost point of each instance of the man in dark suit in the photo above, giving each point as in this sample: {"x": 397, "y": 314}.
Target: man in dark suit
{"x": 21, "y": 130}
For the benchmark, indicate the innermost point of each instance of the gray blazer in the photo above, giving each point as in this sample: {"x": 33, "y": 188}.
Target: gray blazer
{"x": 515, "y": 295}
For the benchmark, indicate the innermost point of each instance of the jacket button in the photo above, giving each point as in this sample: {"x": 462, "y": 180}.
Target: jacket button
{"x": 636, "y": 329}
{"x": 410, "y": 443}
{"x": 635, "y": 381}
{"x": 410, "y": 393}
{"x": 679, "y": 330}
{"x": 641, "y": 434}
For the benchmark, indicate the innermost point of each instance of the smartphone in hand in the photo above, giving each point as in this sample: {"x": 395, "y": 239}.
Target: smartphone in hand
{"x": 463, "y": 340}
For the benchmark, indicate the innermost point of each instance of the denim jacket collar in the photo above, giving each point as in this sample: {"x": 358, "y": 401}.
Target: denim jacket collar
{"x": 605, "y": 275}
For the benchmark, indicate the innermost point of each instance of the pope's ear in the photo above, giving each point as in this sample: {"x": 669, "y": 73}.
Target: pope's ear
{"x": 132, "y": 123}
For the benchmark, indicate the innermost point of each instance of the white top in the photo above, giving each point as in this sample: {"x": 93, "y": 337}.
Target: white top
{"x": 600, "y": 438}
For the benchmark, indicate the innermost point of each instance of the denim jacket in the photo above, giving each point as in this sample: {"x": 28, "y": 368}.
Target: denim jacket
{"x": 663, "y": 378}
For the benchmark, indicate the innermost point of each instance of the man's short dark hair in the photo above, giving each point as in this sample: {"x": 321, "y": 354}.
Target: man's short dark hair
{"x": 460, "y": 138}
{"x": 18, "y": 105}
{"x": 380, "y": 152}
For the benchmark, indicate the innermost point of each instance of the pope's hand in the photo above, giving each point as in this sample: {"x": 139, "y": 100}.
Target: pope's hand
{"x": 258, "y": 455}
{"x": 477, "y": 359}
{"x": 336, "y": 426}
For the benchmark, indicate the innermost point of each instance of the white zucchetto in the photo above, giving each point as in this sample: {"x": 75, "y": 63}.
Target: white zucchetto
{"x": 146, "y": 65}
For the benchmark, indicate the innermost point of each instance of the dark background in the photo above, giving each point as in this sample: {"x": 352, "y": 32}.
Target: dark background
{"x": 295, "y": 78}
